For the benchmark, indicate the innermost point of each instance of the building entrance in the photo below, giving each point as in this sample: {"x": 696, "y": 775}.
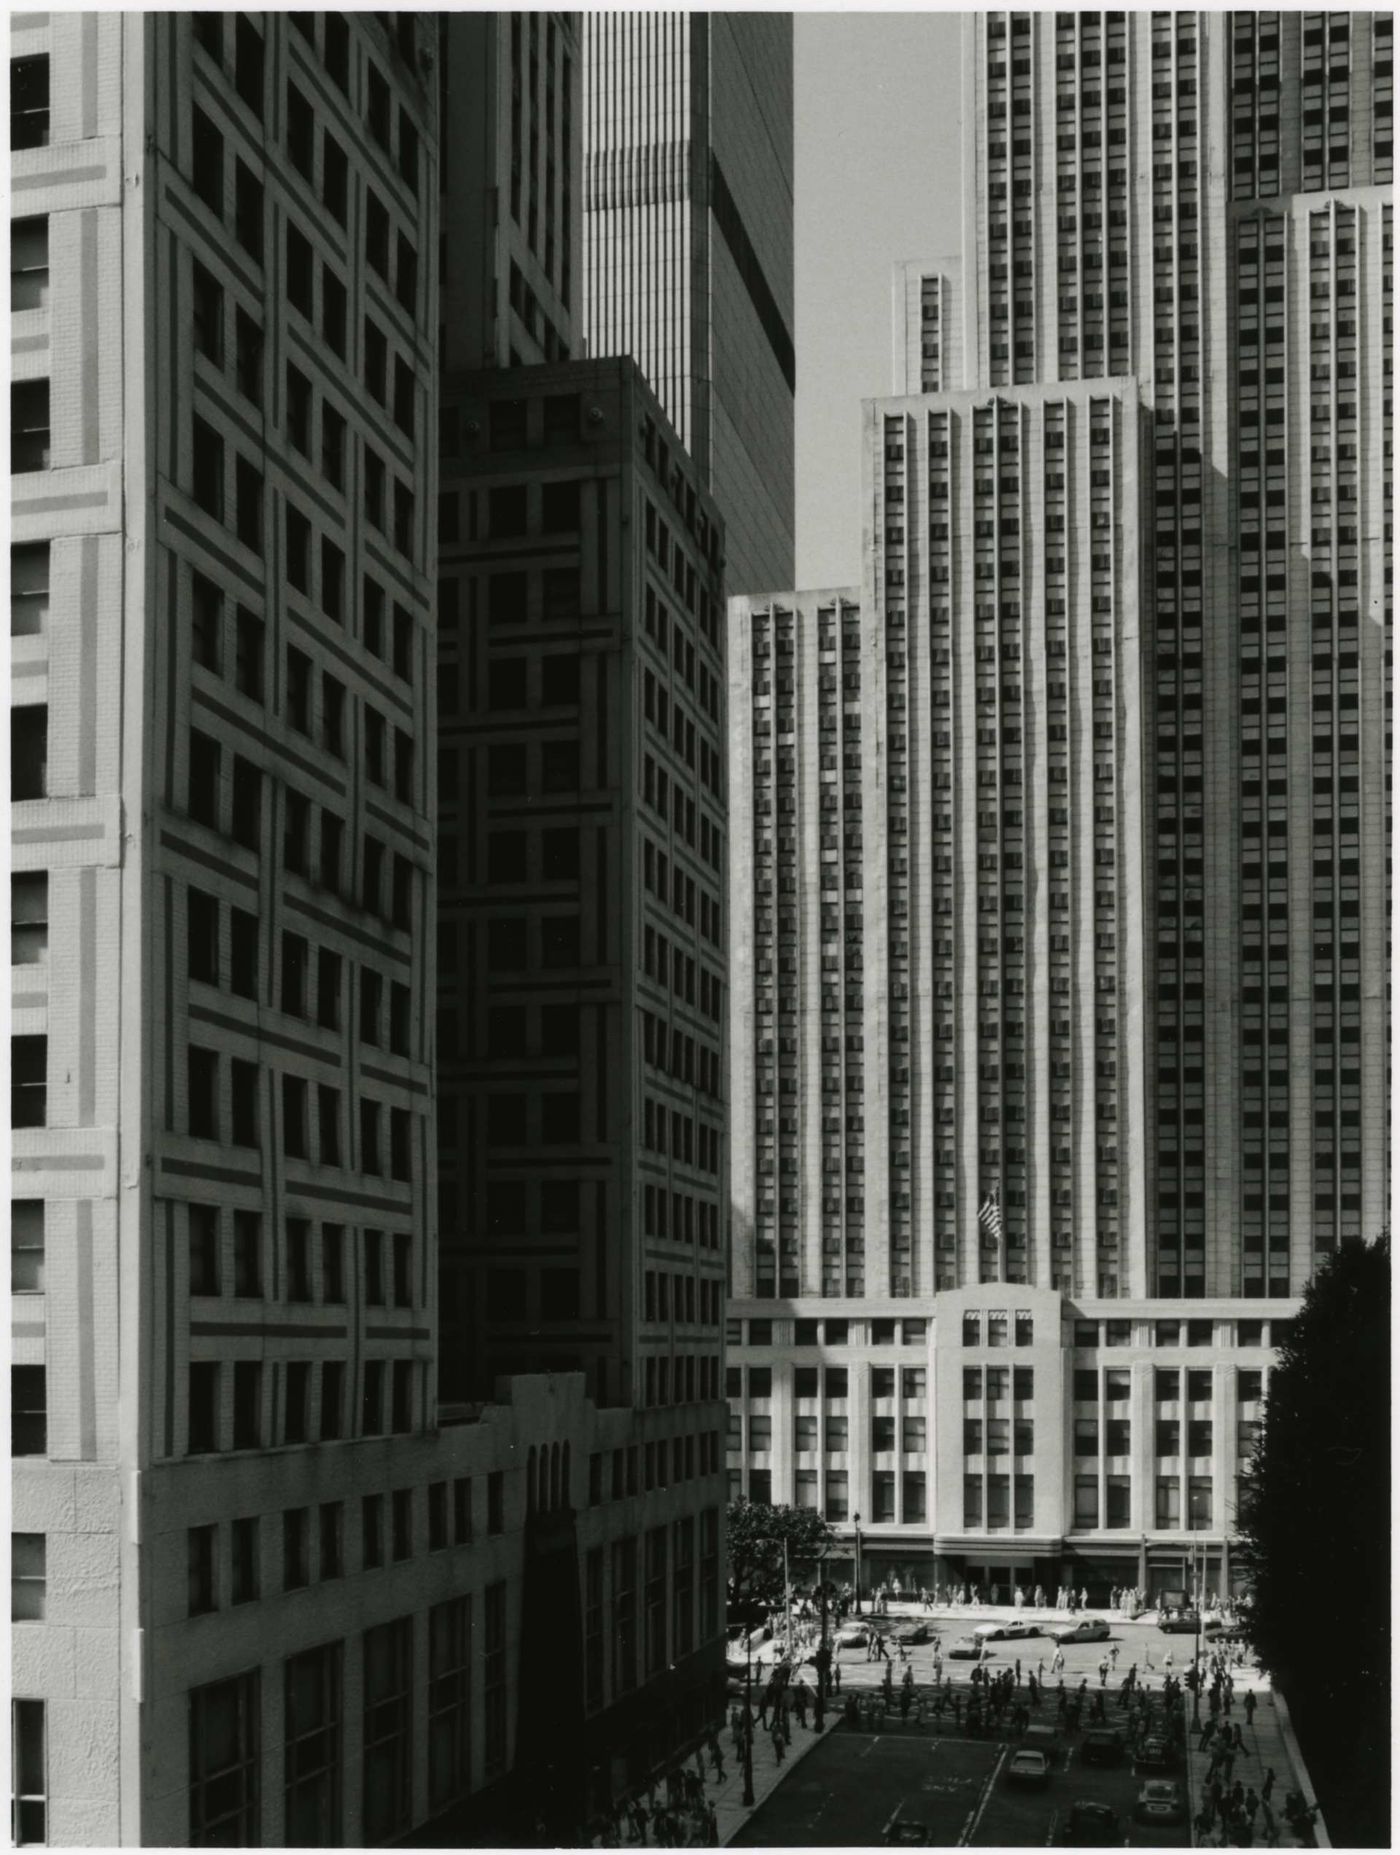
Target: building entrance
{"x": 997, "y": 1583}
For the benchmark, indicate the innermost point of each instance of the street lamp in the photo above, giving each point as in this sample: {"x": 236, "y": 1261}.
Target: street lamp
{"x": 823, "y": 1655}
{"x": 1196, "y": 1593}
{"x": 856, "y": 1519}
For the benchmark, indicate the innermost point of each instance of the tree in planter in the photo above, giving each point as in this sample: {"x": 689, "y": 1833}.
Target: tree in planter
{"x": 1314, "y": 1527}
{"x": 756, "y": 1533}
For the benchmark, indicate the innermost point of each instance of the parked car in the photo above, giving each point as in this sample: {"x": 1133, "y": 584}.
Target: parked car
{"x": 911, "y": 1634}
{"x": 1102, "y": 1745}
{"x": 1160, "y": 1801}
{"x": 1092, "y": 1826}
{"x": 1155, "y": 1754}
{"x": 1092, "y": 1629}
{"x": 966, "y": 1649}
{"x": 1031, "y": 1769}
{"x": 1006, "y": 1632}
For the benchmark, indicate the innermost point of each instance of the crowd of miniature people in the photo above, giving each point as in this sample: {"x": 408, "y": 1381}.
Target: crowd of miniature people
{"x": 676, "y": 1812}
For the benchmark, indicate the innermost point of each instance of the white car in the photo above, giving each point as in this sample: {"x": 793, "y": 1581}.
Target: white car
{"x": 852, "y": 1636}
{"x": 1092, "y": 1629}
{"x": 1006, "y": 1632}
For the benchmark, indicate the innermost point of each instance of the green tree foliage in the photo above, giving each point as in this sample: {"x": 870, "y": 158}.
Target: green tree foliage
{"x": 756, "y": 1533}
{"x": 1314, "y": 1524}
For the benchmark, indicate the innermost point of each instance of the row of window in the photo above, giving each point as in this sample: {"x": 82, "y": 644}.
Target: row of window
{"x": 242, "y": 1404}
{"x": 227, "y": 1256}
{"x": 235, "y": 1116}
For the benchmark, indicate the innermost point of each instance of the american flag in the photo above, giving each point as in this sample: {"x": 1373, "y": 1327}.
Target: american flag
{"x": 989, "y": 1217}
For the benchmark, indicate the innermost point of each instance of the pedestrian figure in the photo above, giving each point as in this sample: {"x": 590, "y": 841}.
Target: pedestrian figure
{"x": 1266, "y": 1790}
{"x": 779, "y": 1738}
{"x": 1249, "y": 1706}
{"x": 717, "y": 1758}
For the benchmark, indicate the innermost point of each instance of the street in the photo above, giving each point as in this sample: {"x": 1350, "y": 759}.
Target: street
{"x": 847, "y": 1790}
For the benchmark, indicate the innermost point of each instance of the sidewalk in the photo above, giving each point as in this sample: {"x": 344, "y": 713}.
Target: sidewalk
{"x": 1270, "y": 1742}
{"x": 730, "y": 1812}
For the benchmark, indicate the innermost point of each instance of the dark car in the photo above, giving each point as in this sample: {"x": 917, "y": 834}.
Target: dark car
{"x": 1160, "y": 1801}
{"x": 1103, "y": 1745}
{"x": 1154, "y": 1754}
{"x": 901, "y": 1833}
{"x": 1092, "y": 1826}
{"x": 1185, "y": 1625}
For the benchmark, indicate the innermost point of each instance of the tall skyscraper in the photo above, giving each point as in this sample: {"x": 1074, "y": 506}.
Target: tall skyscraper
{"x": 688, "y": 232}
{"x": 512, "y": 204}
{"x": 1069, "y": 854}
{"x": 266, "y": 1589}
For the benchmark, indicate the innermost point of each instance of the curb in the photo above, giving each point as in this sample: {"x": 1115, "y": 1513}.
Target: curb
{"x": 1300, "y": 1770}
{"x": 793, "y": 1759}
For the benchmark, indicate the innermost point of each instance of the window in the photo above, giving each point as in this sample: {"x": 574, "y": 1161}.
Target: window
{"x": 248, "y": 211}
{"x": 299, "y": 271}
{"x": 335, "y": 175}
{"x": 207, "y": 456}
{"x": 496, "y": 1677}
{"x": 207, "y": 307}
{"x": 388, "y": 1719}
{"x": 204, "y": 1249}
{"x": 224, "y": 1760}
{"x": 314, "y": 1749}
{"x": 207, "y": 161}
{"x": 202, "y": 1549}
{"x": 296, "y": 1548}
{"x": 332, "y": 1399}
{"x": 296, "y": 1404}
{"x": 372, "y": 1408}
{"x": 29, "y": 426}
{"x": 301, "y": 133}
{"x": 29, "y": 752}
{"x": 29, "y": 102}
{"x": 29, "y": 918}
{"x": 248, "y": 486}
{"x": 248, "y": 654}
{"x": 29, "y": 1081}
{"x": 449, "y": 1701}
{"x": 29, "y": 588}
{"x": 333, "y": 312}
{"x": 295, "y": 1134}
{"x": 247, "y": 1404}
{"x": 331, "y": 1528}
{"x": 1168, "y": 1501}
{"x": 29, "y": 263}
{"x": 1086, "y": 1500}
{"x": 29, "y": 1410}
{"x": 372, "y": 1531}
{"x": 28, "y": 1583}
{"x": 496, "y": 1502}
{"x": 246, "y": 1582}
{"x": 27, "y": 1246}
{"x": 248, "y": 63}
{"x": 243, "y": 1093}
{"x": 247, "y": 1253}
{"x": 203, "y": 1404}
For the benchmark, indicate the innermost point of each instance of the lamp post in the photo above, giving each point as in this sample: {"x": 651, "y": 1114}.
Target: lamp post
{"x": 856, "y": 1519}
{"x": 747, "y": 1797}
{"x": 823, "y": 1654}
{"x": 780, "y": 1539}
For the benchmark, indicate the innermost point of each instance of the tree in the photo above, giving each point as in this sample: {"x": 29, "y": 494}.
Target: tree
{"x": 756, "y": 1533}
{"x": 1314, "y": 1524}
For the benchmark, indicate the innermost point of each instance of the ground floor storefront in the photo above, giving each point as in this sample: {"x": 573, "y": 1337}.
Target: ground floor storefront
{"x": 1165, "y": 1573}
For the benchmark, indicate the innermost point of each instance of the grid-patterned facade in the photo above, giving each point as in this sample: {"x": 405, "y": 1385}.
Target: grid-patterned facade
{"x": 267, "y": 1591}
{"x": 1126, "y": 946}
{"x": 581, "y": 696}
{"x": 509, "y": 88}
{"x": 688, "y": 229}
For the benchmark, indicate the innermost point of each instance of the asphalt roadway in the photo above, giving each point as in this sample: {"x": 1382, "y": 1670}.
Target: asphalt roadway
{"x": 846, "y": 1790}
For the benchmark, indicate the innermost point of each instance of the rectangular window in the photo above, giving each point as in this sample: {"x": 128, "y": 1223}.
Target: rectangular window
{"x": 495, "y": 1693}
{"x": 26, "y": 1246}
{"x": 388, "y": 1725}
{"x": 1119, "y": 1500}
{"x": 296, "y": 1548}
{"x": 372, "y": 1531}
{"x": 1200, "y": 1493}
{"x": 28, "y": 1577}
{"x": 203, "y": 1405}
{"x": 29, "y": 752}
{"x": 449, "y": 1701}
{"x": 224, "y": 1759}
{"x": 246, "y": 1581}
{"x": 247, "y": 1253}
{"x": 29, "y": 588}
{"x": 207, "y": 466}
{"x": 207, "y": 161}
{"x": 29, "y": 1093}
{"x": 297, "y": 1402}
{"x": 202, "y": 1551}
{"x": 29, "y": 263}
{"x": 332, "y": 1400}
{"x": 204, "y": 1249}
{"x": 1168, "y": 1501}
{"x": 313, "y": 1742}
{"x": 29, "y": 103}
{"x": 495, "y": 1502}
{"x": 247, "y": 1404}
{"x": 1086, "y": 1500}
{"x": 29, "y": 1814}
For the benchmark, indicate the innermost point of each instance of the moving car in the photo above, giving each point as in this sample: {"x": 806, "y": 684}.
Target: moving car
{"x": 902, "y": 1833}
{"x": 1092, "y": 1629}
{"x": 1092, "y": 1826}
{"x": 1179, "y": 1626}
{"x": 1029, "y": 1768}
{"x": 852, "y": 1636}
{"x": 966, "y": 1649}
{"x": 1154, "y": 1754}
{"x": 1044, "y": 1737}
{"x": 1006, "y": 1632}
{"x": 911, "y": 1633}
{"x": 1160, "y": 1801}
{"x": 1102, "y": 1745}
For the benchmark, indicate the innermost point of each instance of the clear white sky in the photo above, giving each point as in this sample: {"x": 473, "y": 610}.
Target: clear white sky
{"x": 877, "y": 180}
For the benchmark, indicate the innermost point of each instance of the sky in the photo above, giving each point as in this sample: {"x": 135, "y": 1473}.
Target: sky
{"x": 876, "y": 180}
